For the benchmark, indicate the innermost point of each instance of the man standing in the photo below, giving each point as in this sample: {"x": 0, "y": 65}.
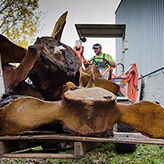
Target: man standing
{"x": 101, "y": 60}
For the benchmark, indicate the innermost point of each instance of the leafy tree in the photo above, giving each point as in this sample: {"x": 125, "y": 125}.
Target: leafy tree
{"x": 20, "y": 20}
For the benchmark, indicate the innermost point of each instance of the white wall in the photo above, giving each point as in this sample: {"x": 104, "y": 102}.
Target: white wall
{"x": 154, "y": 88}
{"x": 144, "y": 21}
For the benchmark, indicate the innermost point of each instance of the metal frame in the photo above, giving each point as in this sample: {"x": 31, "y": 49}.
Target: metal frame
{"x": 103, "y": 31}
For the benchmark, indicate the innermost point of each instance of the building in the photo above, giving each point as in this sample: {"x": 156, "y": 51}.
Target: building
{"x": 144, "y": 21}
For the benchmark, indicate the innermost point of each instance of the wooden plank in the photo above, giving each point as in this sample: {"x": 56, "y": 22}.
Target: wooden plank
{"x": 119, "y": 137}
{"x": 81, "y": 148}
{"x": 136, "y": 138}
{"x": 81, "y": 144}
{"x": 39, "y": 155}
{"x": 10, "y": 146}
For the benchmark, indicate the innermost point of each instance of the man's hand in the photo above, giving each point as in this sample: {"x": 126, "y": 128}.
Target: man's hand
{"x": 86, "y": 63}
{"x": 112, "y": 64}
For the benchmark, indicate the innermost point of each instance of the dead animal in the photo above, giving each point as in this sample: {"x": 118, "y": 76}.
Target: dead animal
{"x": 48, "y": 63}
{"x": 86, "y": 109}
{"x": 82, "y": 111}
{"x": 91, "y": 77}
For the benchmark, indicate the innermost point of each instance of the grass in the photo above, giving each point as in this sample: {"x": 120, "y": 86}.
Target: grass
{"x": 151, "y": 154}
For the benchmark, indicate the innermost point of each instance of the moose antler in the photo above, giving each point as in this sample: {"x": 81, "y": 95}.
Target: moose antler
{"x": 10, "y": 52}
{"x": 13, "y": 77}
{"x": 59, "y": 26}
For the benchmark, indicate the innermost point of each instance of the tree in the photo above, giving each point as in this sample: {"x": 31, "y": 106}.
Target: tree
{"x": 20, "y": 20}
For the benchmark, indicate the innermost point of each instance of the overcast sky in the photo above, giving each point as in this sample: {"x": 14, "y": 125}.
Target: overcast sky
{"x": 82, "y": 12}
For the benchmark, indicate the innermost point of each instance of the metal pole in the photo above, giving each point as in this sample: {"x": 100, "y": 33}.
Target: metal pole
{"x": 123, "y": 51}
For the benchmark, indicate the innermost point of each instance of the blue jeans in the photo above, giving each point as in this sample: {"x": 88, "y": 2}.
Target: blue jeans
{"x": 101, "y": 69}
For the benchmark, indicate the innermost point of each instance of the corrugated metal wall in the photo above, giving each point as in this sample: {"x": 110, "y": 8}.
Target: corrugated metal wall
{"x": 144, "y": 21}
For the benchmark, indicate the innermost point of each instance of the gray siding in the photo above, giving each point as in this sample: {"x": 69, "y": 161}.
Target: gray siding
{"x": 144, "y": 21}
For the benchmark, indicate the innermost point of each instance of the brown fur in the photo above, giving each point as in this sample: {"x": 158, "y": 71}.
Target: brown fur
{"x": 15, "y": 77}
{"x": 90, "y": 80}
{"x": 47, "y": 70}
{"x": 83, "y": 111}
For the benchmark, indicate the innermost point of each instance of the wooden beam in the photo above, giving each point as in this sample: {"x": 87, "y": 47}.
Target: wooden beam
{"x": 10, "y": 146}
{"x": 81, "y": 148}
{"x": 81, "y": 144}
{"x": 38, "y": 155}
{"x": 129, "y": 138}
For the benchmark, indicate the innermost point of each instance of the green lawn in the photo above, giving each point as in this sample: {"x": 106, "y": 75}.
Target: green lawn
{"x": 103, "y": 155}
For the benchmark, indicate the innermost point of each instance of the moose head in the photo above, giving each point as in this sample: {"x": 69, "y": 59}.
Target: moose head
{"x": 48, "y": 63}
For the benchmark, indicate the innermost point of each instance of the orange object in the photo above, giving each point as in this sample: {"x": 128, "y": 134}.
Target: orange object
{"x": 131, "y": 77}
{"x": 123, "y": 90}
{"x": 116, "y": 70}
{"x": 79, "y": 51}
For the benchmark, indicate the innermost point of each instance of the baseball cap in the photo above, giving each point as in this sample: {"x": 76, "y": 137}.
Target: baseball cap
{"x": 97, "y": 45}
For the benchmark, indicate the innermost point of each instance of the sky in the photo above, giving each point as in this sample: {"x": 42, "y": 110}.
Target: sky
{"x": 80, "y": 12}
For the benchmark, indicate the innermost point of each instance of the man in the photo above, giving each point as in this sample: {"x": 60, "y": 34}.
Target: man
{"x": 101, "y": 60}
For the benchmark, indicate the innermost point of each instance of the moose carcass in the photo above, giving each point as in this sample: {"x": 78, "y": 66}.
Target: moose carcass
{"x": 91, "y": 77}
{"x": 82, "y": 111}
{"x": 48, "y": 63}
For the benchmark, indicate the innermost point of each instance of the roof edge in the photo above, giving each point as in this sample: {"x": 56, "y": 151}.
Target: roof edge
{"x": 118, "y": 6}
